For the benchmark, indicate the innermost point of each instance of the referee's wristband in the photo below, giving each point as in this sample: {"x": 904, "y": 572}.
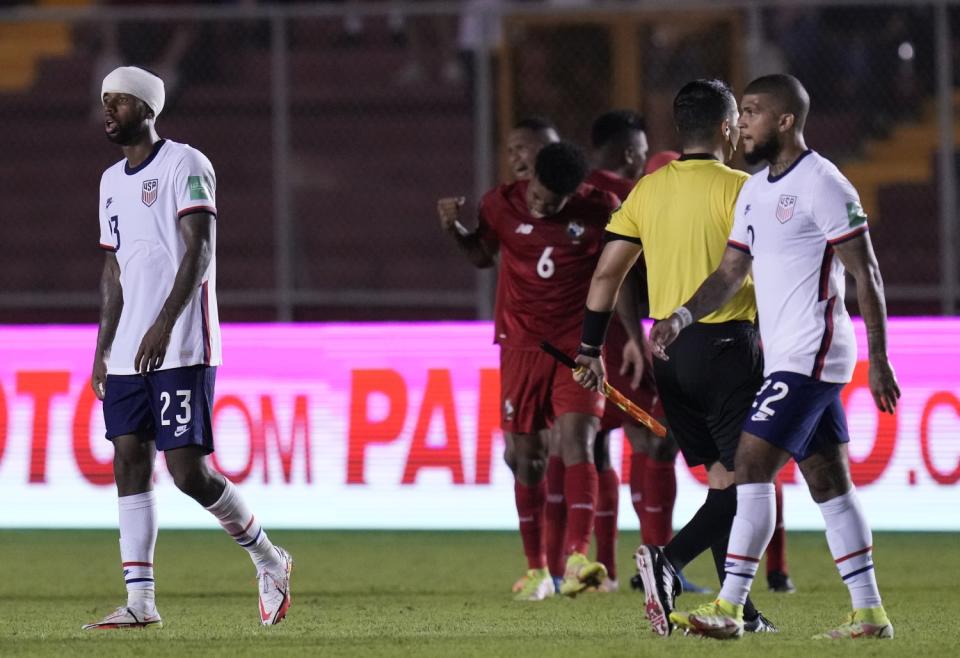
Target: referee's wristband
{"x": 591, "y": 351}
{"x": 686, "y": 317}
{"x": 595, "y": 325}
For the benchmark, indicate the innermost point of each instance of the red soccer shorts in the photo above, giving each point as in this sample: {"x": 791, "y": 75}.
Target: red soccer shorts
{"x": 535, "y": 389}
{"x": 645, "y": 396}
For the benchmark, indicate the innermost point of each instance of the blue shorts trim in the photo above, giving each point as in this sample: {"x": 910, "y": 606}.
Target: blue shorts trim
{"x": 799, "y": 414}
{"x": 172, "y": 407}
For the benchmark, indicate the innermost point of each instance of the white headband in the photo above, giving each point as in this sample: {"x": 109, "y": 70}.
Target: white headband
{"x": 136, "y": 82}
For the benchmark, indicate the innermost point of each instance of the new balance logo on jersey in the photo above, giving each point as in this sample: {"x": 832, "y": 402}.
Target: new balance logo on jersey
{"x": 181, "y": 430}
{"x": 525, "y": 229}
{"x": 746, "y": 211}
{"x": 508, "y": 410}
{"x": 109, "y": 201}
{"x": 760, "y": 416}
{"x": 149, "y": 195}
{"x": 785, "y": 208}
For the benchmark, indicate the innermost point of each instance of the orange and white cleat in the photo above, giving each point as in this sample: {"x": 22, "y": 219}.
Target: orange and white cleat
{"x": 124, "y": 617}
{"x": 275, "y": 591}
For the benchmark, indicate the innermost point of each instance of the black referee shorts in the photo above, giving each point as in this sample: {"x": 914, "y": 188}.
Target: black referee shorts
{"x": 708, "y": 386}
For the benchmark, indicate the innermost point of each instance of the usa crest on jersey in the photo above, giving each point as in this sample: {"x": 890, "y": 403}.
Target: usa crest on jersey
{"x": 149, "y": 194}
{"x": 785, "y": 207}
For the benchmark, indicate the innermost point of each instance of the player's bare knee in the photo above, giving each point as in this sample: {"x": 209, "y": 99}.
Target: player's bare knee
{"x": 577, "y": 452}
{"x": 132, "y": 469}
{"x": 826, "y": 477}
{"x": 640, "y": 438}
{"x": 719, "y": 477}
{"x": 757, "y": 460}
{"x": 663, "y": 451}
{"x": 187, "y": 480}
{"x": 601, "y": 450}
{"x": 510, "y": 458}
{"x": 530, "y": 471}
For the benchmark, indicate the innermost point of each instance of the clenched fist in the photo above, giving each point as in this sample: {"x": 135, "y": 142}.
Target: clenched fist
{"x": 448, "y": 209}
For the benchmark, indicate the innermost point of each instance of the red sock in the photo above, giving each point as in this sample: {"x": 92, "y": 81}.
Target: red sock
{"x": 638, "y": 473}
{"x": 605, "y": 523}
{"x": 659, "y": 494}
{"x": 555, "y": 517}
{"x": 530, "y": 502}
{"x": 580, "y": 492}
{"x": 777, "y": 548}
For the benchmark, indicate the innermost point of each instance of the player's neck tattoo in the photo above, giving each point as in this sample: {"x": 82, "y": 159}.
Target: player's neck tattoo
{"x": 781, "y": 164}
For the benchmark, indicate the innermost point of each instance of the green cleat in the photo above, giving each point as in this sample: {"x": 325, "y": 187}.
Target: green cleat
{"x": 581, "y": 573}
{"x": 537, "y": 585}
{"x": 861, "y": 623}
{"x": 718, "y": 619}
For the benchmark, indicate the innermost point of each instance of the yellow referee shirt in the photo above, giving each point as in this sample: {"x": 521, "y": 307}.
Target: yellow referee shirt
{"x": 682, "y": 215}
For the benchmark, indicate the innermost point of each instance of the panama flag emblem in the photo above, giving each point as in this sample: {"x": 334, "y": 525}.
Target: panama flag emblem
{"x": 149, "y": 195}
{"x": 785, "y": 207}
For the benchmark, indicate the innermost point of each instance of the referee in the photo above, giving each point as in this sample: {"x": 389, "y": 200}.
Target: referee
{"x": 681, "y": 217}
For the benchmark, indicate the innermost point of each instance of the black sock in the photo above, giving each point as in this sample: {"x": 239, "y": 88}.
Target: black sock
{"x": 719, "y": 550}
{"x": 710, "y": 524}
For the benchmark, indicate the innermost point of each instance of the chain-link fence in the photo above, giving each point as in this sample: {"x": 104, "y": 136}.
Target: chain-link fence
{"x": 334, "y": 126}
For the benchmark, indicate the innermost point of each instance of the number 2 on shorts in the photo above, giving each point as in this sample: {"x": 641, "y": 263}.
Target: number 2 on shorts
{"x": 781, "y": 391}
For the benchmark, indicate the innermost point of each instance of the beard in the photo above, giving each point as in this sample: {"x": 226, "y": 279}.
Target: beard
{"x": 763, "y": 151}
{"x": 127, "y": 134}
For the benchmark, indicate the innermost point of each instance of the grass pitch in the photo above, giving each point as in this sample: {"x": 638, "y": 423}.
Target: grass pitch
{"x": 433, "y": 594}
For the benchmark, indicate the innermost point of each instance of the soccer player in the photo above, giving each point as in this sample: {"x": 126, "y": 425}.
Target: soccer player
{"x": 619, "y": 142}
{"x": 680, "y": 217}
{"x": 799, "y": 225}
{"x": 548, "y": 233}
{"x": 620, "y": 149}
{"x": 524, "y": 142}
{"x": 159, "y": 344}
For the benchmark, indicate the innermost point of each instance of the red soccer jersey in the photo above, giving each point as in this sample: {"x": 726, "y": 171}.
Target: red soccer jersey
{"x": 545, "y": 264}
{"x": 610, "y": 182}
{"x": 621, "y": 187}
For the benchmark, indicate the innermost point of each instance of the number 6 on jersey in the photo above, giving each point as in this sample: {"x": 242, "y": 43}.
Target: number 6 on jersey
{"x": 545, "y": 266}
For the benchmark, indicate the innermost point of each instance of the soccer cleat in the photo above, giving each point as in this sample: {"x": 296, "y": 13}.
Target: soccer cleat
{"x": 125, "y": 617}
{"x": 718, "y": 619}
{"x": 581, "y": 573}
{"x": 609, "y": 585}
{"x": 275, "y": 591}
{"x": 520, "y": 583}
{"x": 759, "y": 624}
{"x": 660, "y": 586}
{"x": 861, "y": 623}
{"x": 691, "y": 587}
{"x": 537, "y": 586}
{"x": 779, "y": 581}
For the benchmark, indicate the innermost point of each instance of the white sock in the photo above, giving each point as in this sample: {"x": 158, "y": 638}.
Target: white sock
{"x": 138, "y": 537}
{"x": 851, "y": 544}
{"x": 236, "y": 519}
{"x": 751, "y": 532}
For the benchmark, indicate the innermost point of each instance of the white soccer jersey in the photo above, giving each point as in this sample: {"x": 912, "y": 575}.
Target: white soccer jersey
{"x": 140, "y": 210}
{"x": 789, "y": 225}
